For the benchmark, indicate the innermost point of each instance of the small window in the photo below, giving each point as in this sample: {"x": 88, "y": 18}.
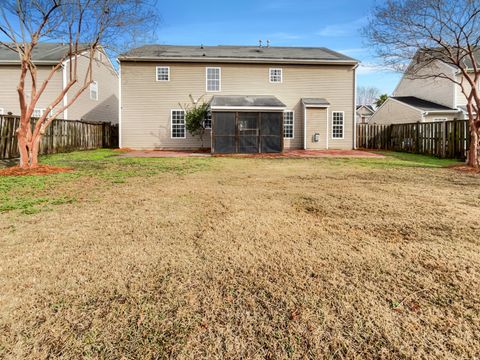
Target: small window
{"x": 276, "y": 75}
{"x": 337, "y": 124}
{"x": 163, "y": 73}
{"x": 94, "y": 91}
{"x": 207, "y": 124}
{"x": 178, "y": 124}
{"x": 288, "y": 118}
{"x": 213, "y": 79}
{"x": 38, "y": 113}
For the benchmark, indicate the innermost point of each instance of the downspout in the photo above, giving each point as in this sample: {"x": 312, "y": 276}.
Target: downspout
{"x": 304, "y": 127}
{"x": 354, "y": 106}
{"x": 64, "y": 83}
{"x": 119, "y": 104}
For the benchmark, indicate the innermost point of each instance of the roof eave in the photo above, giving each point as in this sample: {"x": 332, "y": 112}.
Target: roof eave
{"x": 36, "y": 62}
{"x": 238, "y": 60}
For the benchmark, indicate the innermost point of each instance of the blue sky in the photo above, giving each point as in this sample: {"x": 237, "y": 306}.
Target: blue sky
{"x": 334, "y": 24}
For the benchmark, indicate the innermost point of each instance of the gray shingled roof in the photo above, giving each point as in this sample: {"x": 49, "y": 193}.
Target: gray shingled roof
{"x": 421, "y": 104}
{"x": 49, "y": 53}
{"x": 239, "y": 101}
{"x": 315, "y": 102}
{"x": 236, "y": 53}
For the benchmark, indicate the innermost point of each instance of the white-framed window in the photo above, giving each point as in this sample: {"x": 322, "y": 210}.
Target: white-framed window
{"x": 2, "y": 111}
{"x": 338, "y": 124}
{"x": 214, "y": 78}
{"x": 288, "y": 120}
{"x": 276, "y": 75}
{"x": 38, "y": 112}
{"x": 439, "y": 119}
{"x": 207, "y": 124}
{"x": 94, "y": 90}
{"x": 163, "y": 73}
{"x": 178, "y": 130}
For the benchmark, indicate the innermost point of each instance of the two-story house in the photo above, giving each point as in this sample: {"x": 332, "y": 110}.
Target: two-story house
{"x": 98, "y": 103}
{"x": 425, "y": 98}
{"x": 262, "y": 99}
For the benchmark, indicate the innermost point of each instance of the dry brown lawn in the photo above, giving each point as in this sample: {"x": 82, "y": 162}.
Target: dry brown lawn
{"x": 245, "y": 259}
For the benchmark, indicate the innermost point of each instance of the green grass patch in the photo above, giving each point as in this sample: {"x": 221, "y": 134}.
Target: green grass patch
{"x": 31, "y": 194}
{"x": 395, "y": 160}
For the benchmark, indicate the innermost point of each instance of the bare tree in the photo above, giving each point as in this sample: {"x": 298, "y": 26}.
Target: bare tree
{"x": 84, "y": 26}
{"x": 416, "y": 36}
{"x": 366, "y": 95}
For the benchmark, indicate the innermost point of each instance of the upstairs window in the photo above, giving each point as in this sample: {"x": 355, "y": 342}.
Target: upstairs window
{"x": 178, "y": 124}
{"x": 94, "y": 91}
{"x": 288, "y": 118}
{"x": 213, "y": 79}
{"x": 276, "y": 75}
{"x": 163, "y": 73}
{"x": 337, "y": 124}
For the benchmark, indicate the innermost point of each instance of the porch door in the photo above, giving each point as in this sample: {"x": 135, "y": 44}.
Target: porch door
{"x": 248, "y": 132}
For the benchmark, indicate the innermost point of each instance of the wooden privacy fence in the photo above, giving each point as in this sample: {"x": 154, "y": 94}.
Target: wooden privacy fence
{"x": 60, "y": 136}
{"x": 449, "y": 139}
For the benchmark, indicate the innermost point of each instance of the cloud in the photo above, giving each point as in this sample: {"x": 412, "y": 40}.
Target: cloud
{"x": 370, "y": 68}
{"x": 344, "y": 29}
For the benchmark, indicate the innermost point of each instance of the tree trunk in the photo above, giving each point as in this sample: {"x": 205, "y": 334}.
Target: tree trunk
{"x": 23, "y": 149}
{"x": 473, "y": 149}
{"x": 28, "y": 154}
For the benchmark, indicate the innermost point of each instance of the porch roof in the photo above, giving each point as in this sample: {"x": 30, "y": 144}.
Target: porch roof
{"x": 246, "y": 102}
{"x": 315, "y": 102}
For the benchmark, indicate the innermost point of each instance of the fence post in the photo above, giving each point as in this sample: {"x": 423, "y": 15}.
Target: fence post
{"x": 444, "y": 139}
{"x": 417, "y": 137}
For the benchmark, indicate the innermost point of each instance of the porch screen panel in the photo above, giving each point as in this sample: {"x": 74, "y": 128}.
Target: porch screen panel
{"x": 271, "y": 132}
{"x": 224, "y": 132}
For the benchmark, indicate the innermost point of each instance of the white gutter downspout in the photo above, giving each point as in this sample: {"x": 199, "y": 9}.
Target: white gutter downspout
{"x": 355, "y": 106}
{"x": 119, "y": 104}
{"x": 64, "y": 83}
{"x": 304, "y": 127}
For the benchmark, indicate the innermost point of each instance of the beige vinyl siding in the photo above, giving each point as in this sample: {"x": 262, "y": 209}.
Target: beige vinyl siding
{"x": 440, "y": 91}
{"x": 460, "y": 97}
{"x": 317, "y": 123}
{"x": 104, "y": 109}
{"x": 146, "y": 103}
{"x": 395, "y": 112}
{"x": 9, "y": 77}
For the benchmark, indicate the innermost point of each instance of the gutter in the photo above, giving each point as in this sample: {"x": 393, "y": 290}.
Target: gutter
{"x": 239, "y": 60}
{"x": 252, "y": 108}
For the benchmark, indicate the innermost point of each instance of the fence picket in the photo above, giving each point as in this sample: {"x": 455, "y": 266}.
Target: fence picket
{"x": 449, "y": 139}
{"x": 61, "y": 136}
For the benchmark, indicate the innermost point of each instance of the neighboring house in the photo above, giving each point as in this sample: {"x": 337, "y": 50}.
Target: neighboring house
{"x": 410, "y": 109}
{"x": 425, "y": 99}
{"x": 98, "y": 103}
{"x": 263, "y": 99}
{"x": 364, "y": 113}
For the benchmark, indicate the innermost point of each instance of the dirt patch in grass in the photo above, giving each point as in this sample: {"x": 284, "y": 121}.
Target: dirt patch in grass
{"x": 38, "y": 170}
{"x": 247, "y": 259}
